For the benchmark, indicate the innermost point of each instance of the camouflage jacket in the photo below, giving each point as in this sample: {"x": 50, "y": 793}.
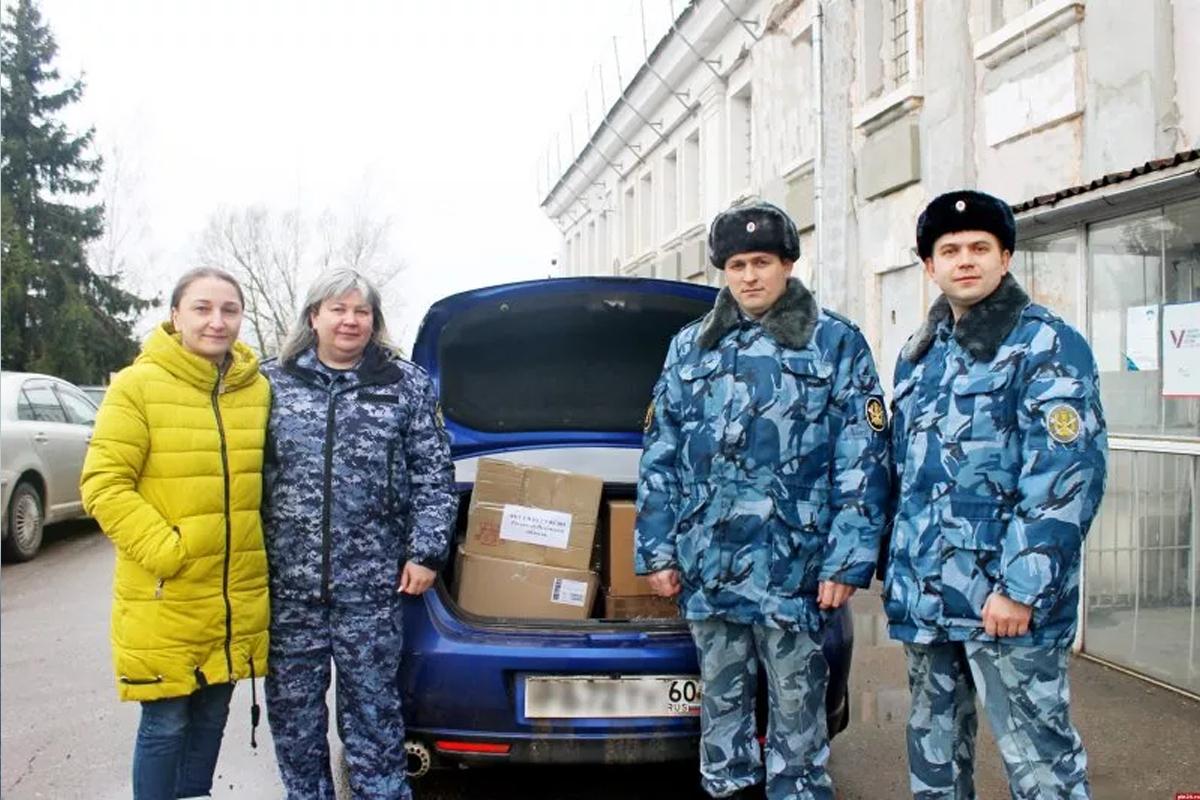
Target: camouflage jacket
{"x": 765, "y": 466}
{"x": 358, "y": 477}
{"x": 999, "y": 445}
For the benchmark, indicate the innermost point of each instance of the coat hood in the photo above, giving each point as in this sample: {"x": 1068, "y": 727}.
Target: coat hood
{"x": 164, "y": 347}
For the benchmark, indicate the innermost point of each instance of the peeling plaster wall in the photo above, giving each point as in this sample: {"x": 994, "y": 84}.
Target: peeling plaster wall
{"x": 1029, "y": 118}
{"x": 948, "y": 114}
{"x": 1187, "y": 73}
{"x": 840, "y": 285}
{"x": 1131, "y": 113}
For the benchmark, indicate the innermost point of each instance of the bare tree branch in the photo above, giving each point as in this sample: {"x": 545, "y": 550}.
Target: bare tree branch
{"x": 274, "y": 253}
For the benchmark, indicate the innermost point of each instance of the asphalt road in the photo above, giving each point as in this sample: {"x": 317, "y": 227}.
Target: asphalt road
{"x": 63, "y": 734}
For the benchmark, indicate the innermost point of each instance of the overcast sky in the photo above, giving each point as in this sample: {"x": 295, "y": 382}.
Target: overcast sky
{"x": 439, "y": 111}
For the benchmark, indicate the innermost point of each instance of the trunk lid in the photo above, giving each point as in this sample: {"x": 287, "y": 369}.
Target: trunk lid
{"x": 567, "y": 362}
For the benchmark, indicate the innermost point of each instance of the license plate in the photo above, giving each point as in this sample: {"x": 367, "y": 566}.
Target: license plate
{"x": 602, "y": 696}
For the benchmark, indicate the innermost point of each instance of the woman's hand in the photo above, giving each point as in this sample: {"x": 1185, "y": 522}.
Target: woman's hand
{"x": 415, "y": 579}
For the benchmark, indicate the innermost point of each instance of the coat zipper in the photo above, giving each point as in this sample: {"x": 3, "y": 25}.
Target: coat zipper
{"x": 330, "y": 417}
{"x": 228, "y": 524}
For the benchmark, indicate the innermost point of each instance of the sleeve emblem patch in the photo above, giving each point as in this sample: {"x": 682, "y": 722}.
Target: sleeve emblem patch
{"x": 876, "y": 416}
{"x": 649, "y": 418}
{"x": 1063, "y": 423}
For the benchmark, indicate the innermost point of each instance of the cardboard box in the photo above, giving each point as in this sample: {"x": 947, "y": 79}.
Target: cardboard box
{"x": 499, "y": 587}
{"x": 617, "y": 570}
{"x": 642, "y": 606}
{"x": 532, "y": 514}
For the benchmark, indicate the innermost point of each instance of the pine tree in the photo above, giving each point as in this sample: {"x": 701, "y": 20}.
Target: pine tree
{"x": 59, "y": 316}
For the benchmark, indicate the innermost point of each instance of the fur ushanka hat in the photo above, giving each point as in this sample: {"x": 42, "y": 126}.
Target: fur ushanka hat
{"x": 965, "y": 210}
{"x": 752, "y": 228}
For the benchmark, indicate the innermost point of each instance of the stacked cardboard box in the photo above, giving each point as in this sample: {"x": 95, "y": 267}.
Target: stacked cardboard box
{"x": 528, "y": 545}
{"x": 626, "y": 594}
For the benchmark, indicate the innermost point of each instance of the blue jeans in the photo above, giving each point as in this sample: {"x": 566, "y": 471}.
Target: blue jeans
{"x": 178, "y": 741}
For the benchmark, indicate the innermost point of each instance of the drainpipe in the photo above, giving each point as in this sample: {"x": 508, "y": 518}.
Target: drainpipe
{"x": 819, "y": 154}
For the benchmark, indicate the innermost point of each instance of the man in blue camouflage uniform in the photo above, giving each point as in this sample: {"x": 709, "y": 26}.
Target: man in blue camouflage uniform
{"x": 359, "y": 506}
{"x": 763, "y": 493}
{"x": 999, "y": 447}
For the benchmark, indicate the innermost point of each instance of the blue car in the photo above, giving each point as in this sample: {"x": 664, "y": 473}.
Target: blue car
{"x": 558, "y": 373}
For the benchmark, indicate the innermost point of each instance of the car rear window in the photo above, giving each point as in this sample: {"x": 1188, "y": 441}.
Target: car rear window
{"x": 584, "y": 363}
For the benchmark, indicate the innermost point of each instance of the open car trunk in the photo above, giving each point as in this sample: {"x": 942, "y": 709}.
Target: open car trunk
{"x": 565, "y": 366}
{"x": 596, "y": 613}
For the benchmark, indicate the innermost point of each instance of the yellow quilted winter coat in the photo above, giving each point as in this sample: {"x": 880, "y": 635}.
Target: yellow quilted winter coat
{"x": 174, "y": 477}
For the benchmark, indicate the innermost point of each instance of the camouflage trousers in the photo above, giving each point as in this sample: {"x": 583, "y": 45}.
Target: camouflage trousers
{"x": 363, "y": 640}
{"x": 1024, "y": 693}
{"x": 797, "y": 744}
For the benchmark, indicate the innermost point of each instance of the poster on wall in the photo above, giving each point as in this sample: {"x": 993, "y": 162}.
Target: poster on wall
{"x": 1141, "y": 338}
{"x": 1181, "y": 350}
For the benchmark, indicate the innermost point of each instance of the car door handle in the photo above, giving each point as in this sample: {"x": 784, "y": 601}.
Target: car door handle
{"x": 41, "y": 438}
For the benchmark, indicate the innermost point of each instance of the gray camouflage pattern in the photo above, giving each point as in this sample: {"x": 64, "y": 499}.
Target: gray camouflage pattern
{"x": 797, "y": 743}
{"x": 761, "y": 474}
{"x": 380, "y": 491}
{"x": 364, "y": 641}
{"x": 1025, "y": 696}
{"x": 999, "y": 468}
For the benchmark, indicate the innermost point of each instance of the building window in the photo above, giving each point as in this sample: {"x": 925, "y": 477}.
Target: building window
{"x": 646, "y": 213}
{"x": 592, "y": 264}
{"x": 887, "y": 45}
{"x": 691, "y": 178}
{"x": 899, "y": 52}
{"x": 1048, "y": 268}
{"x": 603, "y": 249}
{"x": 1145, "y": 268}
{"x": 629, "y": 223}
{"x": 670, "y": 176}
{"x": 740, "y": 144}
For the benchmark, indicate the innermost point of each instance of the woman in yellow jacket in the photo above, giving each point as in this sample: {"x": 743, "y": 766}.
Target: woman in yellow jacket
{"x": 174, "y": 477}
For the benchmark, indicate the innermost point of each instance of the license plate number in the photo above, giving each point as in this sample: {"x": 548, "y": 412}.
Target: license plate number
{"x": 600, "y": 696}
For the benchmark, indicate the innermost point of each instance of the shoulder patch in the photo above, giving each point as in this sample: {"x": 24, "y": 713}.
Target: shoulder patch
{"x": 649, "y": 420}
{"x": 1063, "y": 423}
{"x": 876, "y": 415}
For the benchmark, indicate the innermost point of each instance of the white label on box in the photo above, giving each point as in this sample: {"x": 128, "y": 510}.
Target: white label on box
{"x": 536, "y": 526}
{"x": 568, "y": 592}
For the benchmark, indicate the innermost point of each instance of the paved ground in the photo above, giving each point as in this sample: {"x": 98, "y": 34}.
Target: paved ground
{"x": 64, "y": 735}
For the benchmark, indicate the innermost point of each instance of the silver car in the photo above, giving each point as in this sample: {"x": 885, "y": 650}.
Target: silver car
{"x": 45, "y": 426}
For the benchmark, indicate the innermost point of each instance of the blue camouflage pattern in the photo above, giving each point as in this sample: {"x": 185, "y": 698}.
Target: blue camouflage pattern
{"x": 797, "y": 743}
{"x": 761, "y": 473}
{"x": 1024, "y": 693}
{"x": 358, "y": 477}
{"x": 999, "y": 470}
{"x": 364, "y": 640}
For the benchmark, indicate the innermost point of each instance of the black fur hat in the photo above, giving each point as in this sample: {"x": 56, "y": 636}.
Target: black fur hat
{"x": 755, "y": 227}
{"x": 965, "y": 210}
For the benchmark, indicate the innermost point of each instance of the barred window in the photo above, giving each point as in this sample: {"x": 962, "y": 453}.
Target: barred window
{"x": 899, "y": 15}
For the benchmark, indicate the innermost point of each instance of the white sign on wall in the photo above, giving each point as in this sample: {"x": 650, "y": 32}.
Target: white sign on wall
{"x": 1181, "y": 350}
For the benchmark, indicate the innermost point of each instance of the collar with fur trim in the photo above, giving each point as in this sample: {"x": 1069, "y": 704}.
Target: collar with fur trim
{"x": 981, "y": 329}
{"x": 791, "y": 321}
